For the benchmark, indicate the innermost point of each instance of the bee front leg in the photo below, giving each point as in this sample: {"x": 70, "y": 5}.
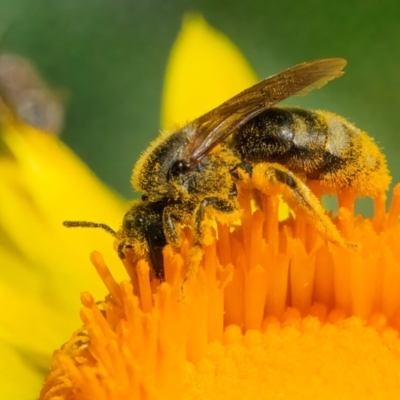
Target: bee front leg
{"x": 221, "y": 205}
{"x": 122, "y": 245}
{"x": 120, "y": 249}
{"x": 173, "y": 218}
{"x": 275, "y": 179}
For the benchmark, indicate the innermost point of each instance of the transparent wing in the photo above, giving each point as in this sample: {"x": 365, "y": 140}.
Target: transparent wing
{"x": 213, "y": 127}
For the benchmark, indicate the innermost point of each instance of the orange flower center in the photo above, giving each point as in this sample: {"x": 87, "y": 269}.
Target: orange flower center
{"x": 274, "y": 310}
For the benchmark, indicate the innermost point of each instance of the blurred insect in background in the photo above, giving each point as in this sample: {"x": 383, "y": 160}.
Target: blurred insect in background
{"x": 26, "y": 94}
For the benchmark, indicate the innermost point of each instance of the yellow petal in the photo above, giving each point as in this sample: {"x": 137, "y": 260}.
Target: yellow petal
{"x": 19, "y": 380}
{"x": 205, "y": 68}
{"x": 31, "y": 305}
{"x": 42, "y": 184}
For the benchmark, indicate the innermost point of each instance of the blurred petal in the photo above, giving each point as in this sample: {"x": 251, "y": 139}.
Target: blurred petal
{"x": 19, "y": 381}
{"x": 42, "y": 184}
{"x": 205, "y": 68}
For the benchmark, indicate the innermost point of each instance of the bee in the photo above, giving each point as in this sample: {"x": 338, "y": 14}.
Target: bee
{"x": 193, "y": 173}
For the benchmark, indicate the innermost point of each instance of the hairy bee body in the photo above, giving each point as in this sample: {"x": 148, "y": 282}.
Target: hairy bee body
{"x": 294, "y": 149}
{"x": 197, "y": 171}
{"x": 317, "y": 146}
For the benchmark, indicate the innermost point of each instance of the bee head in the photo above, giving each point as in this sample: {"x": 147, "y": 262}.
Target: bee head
{"x": 142, "y": 231}
{"x": 153, "y": 171}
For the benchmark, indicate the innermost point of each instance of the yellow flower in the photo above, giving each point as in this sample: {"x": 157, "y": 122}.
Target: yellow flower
{"x": 274, "y": 311}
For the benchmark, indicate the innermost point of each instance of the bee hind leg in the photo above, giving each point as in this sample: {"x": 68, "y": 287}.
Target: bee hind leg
{"x": 276, "y": 179}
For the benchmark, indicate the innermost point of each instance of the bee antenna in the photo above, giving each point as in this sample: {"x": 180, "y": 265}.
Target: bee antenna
{"x": 86, "y": 224}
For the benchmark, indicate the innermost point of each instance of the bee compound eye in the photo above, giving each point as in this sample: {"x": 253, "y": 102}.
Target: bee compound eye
{"x": 145, "y": 197}
{"x": 179, "y": 167}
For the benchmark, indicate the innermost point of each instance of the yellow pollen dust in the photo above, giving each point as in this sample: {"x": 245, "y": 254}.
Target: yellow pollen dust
{"x": 275, "y": 311}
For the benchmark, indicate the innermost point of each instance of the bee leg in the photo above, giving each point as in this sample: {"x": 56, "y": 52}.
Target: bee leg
{"x": 218, "y": 204}
{"x": 245, "y": 167}
{"x": 174, "y": 217}
{"x": 120, "y": 250}
{"x": 233, "y": 192}
{"x": 276, "y": 179}
{"x": 172, "y": 229}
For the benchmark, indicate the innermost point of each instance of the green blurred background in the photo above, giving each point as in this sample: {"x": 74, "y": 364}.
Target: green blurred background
{"x": 110, "y": 57}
